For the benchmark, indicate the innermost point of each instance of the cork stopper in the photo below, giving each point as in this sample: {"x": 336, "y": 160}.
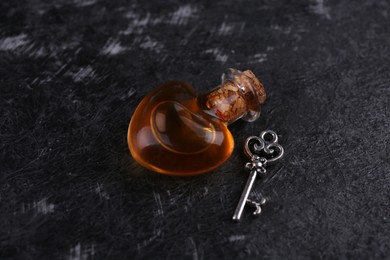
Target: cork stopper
{"x": 239, "y": 96}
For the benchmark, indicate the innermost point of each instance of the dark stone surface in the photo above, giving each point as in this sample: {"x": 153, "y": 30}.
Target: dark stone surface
{"x": 72, "y": 73}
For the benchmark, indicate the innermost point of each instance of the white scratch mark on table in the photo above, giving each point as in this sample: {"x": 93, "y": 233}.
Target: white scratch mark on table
{"x": 146, "y": 242}
{"x": 150, "y": 44}
{"x": 42, "y": 206}
{"x": 318, "y": 7}
{"x": 79, "y": 252}
{"x": 217, "y": 53}
{"x": 84, "y": 73}
{"x": 113, "y": 47}
{"x": 226, "y": 29}
{"x": 13, "y": 42}
{"x": 82, "y": 3}
{"x": 191, "y": 248}
{"x": 128, "y": 94}
{"x": 182, "y": 15}
{"x": 137, "y": 25}
{"x": 160, "y": 210}
{"x": 236, "y": 238}
{"x": 101, "y": 192}
{"x": 259, "y": 58}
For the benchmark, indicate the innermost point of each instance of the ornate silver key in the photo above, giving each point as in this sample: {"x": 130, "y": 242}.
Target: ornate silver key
{"x": 262, "y": 151}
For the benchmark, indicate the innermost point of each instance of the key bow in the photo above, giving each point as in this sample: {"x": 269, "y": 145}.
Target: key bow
{"x": 265, "y": 145}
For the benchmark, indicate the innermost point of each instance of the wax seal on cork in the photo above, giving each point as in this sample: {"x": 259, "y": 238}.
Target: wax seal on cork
{"x": 175, "y": 131}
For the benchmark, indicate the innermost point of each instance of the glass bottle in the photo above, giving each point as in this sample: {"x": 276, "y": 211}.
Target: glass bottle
{"x": 174, "y": 131}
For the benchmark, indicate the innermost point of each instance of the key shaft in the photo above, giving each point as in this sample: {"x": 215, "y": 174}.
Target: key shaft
{"x": 245, "y": 195}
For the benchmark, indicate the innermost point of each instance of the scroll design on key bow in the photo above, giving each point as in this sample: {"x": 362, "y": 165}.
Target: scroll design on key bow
{"x": 264, "y": 146}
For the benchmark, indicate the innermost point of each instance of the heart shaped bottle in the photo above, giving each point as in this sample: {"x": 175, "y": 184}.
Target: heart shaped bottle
{"x": 174, "y": 131}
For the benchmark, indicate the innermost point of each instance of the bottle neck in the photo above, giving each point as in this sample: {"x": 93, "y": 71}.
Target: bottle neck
{"x": 239, "y": 96}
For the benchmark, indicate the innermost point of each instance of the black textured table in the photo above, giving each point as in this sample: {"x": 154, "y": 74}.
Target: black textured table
{"x": 73, "y": 72}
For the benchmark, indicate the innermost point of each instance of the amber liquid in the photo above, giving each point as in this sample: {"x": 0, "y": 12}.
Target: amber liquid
{"x": 172, "y": 133}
